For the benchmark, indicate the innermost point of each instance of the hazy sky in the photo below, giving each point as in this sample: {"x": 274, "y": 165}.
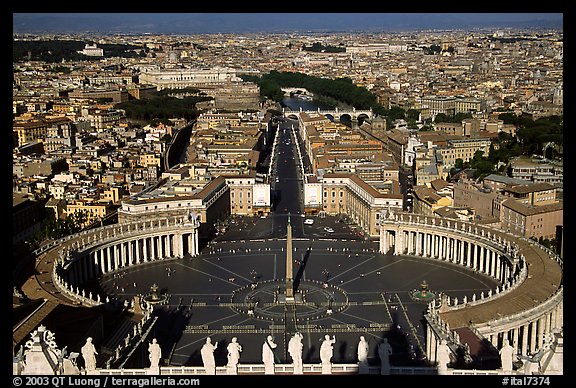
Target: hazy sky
{"x": 180, "y": 23}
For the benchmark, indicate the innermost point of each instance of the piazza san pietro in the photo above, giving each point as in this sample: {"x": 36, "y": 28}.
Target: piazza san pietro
{"x": 384, "y": 202}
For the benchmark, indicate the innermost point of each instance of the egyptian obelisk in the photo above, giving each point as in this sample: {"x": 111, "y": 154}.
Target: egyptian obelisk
{"x": 289, "y": 279}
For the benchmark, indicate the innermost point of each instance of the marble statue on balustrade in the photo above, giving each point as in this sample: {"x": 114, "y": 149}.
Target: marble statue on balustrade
{"x": 41, "y": 356}
{"x": 326, "y": 353}
{"x": 295, "y": 347}
{"x": 154, "y": 353}
{"x": 362, "y": 352}
{"x": 207, "y": 353}
{"x": 507, "y": 356}
{"x": 384, "y": 352}
{"x": 443, "y": 357}
{"x": 234, "y": 349}
{"x": 268, "y": 355}
{"x": 89, "y": 355}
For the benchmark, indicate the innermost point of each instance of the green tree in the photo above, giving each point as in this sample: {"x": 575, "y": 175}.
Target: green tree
{"x": 441, "y": 118}
{"x": 396, "y": 113}
{"x": 459, "y": 163}
{"x": 413, "y": 114}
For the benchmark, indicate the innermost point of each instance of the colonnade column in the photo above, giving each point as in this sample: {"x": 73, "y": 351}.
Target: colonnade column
{"x": 161, "y": 244}
{"x": 138, "y": 244}
{"x": 460, "y": 259}
{"x": 153, "y": 248}
{"x": 524, "y": 329}
{"x": 167, "y": 246}
{"x": 109, "y": 258}
{"x": 541, "y": 330}
{"x": 145, "y": 246}
{"x": 181, "y": 245}
{"x": 533, "y": 334}
{"x": 383, "y": 239}
{"x": 400, "y": 236}
{"x": 492, "y": 256}
{"x": 443, "y": 248}
{"x": 123, "y": 254}
{"x": 195, "y": 245}
{"x": 456, "y": 252}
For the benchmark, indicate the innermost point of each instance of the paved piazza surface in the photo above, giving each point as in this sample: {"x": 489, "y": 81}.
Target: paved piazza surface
{"x": 231, "y": 290}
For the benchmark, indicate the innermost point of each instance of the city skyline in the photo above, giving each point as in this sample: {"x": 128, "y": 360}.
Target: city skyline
{"x": 328, "y": 185}
{"x": 198, "y": 23}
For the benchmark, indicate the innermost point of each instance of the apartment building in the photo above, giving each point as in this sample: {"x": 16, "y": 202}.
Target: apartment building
{"x": 536, "y": 194}
{"x": 450, "y": 128}
{"x": 186, "y": 78}
{"x": 95, "y": 210}
{"x": 114, "y": 95}
{"x": 27, "y": 215}
{"x": 537, "y": 171}
{"x": 439, "y": 104}
{"x": 531, "y": 220}
{"x": 32, "y": 128}
{"x": 426, "y": 200}
{"x": 464, "y": 149}
{"x": 350, "y": 195}
{"x": 247, "y": 196}
{"x": 209, "y": 200}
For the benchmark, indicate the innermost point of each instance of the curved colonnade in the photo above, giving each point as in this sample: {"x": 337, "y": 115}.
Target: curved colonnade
{"x": 90, "y": 254}
{"x": 524, "y": 309}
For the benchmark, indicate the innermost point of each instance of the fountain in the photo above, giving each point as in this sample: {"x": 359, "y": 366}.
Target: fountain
{"x": 423, "y": 294}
